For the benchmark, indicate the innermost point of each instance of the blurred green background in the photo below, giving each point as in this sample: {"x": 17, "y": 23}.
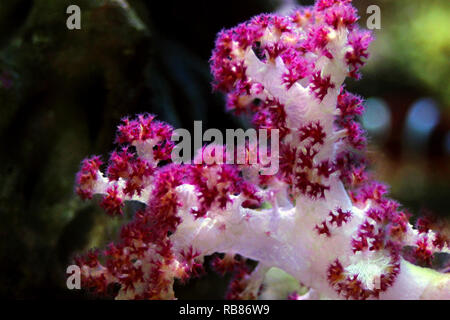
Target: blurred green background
{"x": 63, "y": 92}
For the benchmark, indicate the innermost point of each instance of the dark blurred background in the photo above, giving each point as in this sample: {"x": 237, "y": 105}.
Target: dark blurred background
{"x": 62, "y": 93}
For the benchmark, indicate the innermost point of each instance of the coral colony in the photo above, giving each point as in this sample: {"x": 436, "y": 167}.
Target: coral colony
{"x": 321, "y": 218}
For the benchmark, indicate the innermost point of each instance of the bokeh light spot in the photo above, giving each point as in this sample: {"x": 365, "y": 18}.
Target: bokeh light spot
{"x": 377, "y": 117}
{"x": 423, "y": 116}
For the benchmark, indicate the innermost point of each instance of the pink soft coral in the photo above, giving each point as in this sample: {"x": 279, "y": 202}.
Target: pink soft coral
{"x": 325, "y": 221}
